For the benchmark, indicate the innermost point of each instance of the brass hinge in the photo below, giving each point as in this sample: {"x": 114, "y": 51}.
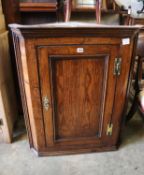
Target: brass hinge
{"x": 1, "y": 122}
{"x": 109, "y": 129}
{"x": 117, "y": 66}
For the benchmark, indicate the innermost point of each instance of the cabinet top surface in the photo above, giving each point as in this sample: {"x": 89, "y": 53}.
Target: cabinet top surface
{"x": 73, "y": 25}
{"x": 75, "y": 29}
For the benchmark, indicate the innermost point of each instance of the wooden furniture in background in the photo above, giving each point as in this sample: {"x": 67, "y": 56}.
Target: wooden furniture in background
{"x": 99, "y": 6}
{"x": 30, "y": 11}
{"x": 135, "y": 21}
{"x": 8, "y": 104}
{"x": 12, "y": 13}
{"x": 44, "y": 11}
{"x": 38, "y": 11}
{"x": 74, "y": 83}
{"x": 38, "y": 6}
{"x": 69, "y": 5}
{"x": 137, "y": 87}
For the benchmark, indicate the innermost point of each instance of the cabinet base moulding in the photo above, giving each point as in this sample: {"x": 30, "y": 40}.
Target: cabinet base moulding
{"x": 70, "y": 152}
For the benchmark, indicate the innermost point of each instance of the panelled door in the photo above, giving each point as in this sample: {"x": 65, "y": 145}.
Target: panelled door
{"x": 77, "y": 85}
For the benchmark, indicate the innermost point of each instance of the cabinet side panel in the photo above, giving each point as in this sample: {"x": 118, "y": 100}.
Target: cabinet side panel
{"x": 21, "y": 84}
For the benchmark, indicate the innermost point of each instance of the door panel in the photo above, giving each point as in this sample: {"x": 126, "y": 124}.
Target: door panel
{"x": 76, "y": 86}
{"x": 78, "y": 94}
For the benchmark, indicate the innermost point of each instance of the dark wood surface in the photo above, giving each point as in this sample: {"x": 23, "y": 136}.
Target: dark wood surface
{"x": 11, "y": 11}
{"x": 76, "y": 100}
{"x": 38, "y": 6}
{"x": 30, "y": 12}
{"x": 38, "y": 11}
{"x": 84, "y": 95}
{"x": 137, "y": 21}
{"x": 38, "y": 1}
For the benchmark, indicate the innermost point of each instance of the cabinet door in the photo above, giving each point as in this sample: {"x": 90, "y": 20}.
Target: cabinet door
{"x": 77, "y": 91}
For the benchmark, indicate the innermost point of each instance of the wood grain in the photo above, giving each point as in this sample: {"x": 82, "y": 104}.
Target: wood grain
{"x": 78, "y": 94}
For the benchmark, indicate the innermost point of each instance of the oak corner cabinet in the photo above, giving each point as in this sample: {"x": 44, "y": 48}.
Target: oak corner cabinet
{"x": 74, "y": 80}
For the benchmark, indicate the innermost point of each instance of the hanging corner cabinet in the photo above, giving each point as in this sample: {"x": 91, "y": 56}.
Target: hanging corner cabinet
{"x": 74, "y": 81}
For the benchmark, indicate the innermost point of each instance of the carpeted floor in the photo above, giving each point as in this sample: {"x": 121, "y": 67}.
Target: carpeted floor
{"x": 17, "y": 159}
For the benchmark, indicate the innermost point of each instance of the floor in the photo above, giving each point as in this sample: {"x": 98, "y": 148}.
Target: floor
{"x": 17, "y": 159}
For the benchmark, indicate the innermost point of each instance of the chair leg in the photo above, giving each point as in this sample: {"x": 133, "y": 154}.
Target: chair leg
{"x": 134, "y": 106}
{"x": 98, "y": 11}
{"x": 132, "y": 110}
{"x": 67, "y": 10}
